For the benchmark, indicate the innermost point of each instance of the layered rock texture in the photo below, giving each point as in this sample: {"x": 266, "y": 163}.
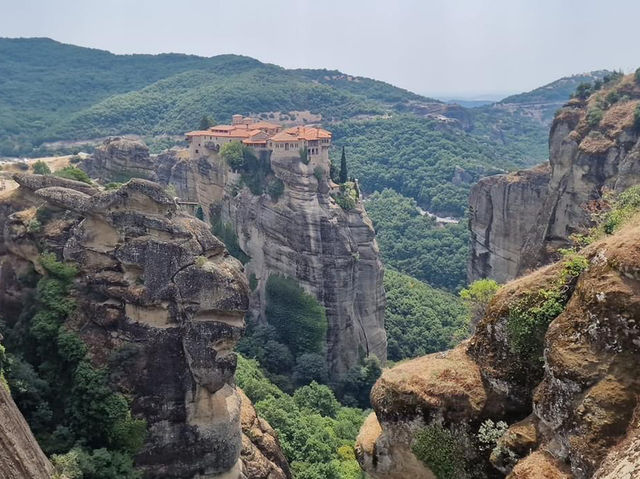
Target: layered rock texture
{"x": 572, "y": 413}
{"x": 120, "y": 159}
{"x": 156, "y": 286}
{"x": 519, "y": 221}
{"x": 305, "y": 235}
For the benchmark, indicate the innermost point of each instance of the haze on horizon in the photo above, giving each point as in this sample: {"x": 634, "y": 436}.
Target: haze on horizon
{"x": 445, "y": 48}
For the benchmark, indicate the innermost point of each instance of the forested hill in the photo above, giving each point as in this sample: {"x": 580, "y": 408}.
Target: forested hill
{"x": 53, "y": 91}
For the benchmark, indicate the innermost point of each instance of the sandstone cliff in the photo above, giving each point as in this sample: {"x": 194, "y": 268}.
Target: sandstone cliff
{"x": 570, "y": 392}
{"x": 156, "y": 283}
{"x": 519, "y": 221}
{"x": 332, "y": 253}
{"x": 20, "y": 454}
{"x": 119, "y": 159}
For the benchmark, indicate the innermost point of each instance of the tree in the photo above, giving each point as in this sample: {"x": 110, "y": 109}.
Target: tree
{"x": 233, "y": 154}
{"x": 317, "y": 398}
{"x": 343, "y": 168}
{"x": 206, "y": 122}
{"x": 477, "y": 297}
{"x": 41, "y": 168}
{"x": 310, "y": 367}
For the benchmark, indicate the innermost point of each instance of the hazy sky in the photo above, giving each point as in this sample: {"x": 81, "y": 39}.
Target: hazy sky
{"x": 438, "y": 47}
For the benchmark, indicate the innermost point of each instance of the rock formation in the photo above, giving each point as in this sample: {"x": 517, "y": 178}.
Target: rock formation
{"x": 119, "y": 159}
{"x": 332, "y": 253}
{"x": 519, "y": 221}
{"x": 20, "y": 454}
{"x": 261, "y": 455}
{"x": 153, "y": 282}
{"x": 572, "y": 413}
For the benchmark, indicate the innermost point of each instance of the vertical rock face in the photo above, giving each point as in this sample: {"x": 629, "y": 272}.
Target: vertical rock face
{"x": 502, "y": 209}
{"x": 574, "y": 416}
{"x": 119, "y": 159}
{"x": 156, "y": 288}
{"x": 516, "y": 227}
{"x": 332, "y": 253}
{"x": 20, "y": 454}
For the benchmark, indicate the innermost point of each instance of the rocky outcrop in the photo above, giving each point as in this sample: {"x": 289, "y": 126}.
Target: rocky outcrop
{"x": 499, "y": 208}
{"x": 156, "y": 288}
{"x": 261, "y": 455}
{"x": 119, "y": 159}
{"x": 519, "y": 221}
{"x": 305, "y": 235}
{"x": 20, "y": 454}
{"x": 572, "y": 413}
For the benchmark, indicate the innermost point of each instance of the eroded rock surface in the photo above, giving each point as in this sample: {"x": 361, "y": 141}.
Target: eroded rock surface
{"x": 305, "y": 235}
{"x": 519, "y": 221}
{"x": 574, "y": 416}
{"x": 119, "y": 159}
{"x": 156, "y": 289}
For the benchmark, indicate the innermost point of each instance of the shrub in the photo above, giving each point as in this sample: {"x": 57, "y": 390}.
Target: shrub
{"x": 275, "y": 188}
{"x": 489, "y": 433}
{"x": 441, "y": 451}
{"x": 233, "y": 154}
{"x": 112, "y": 185}
{"x": 529, "y": 319}
{"x": 73, "y": 173}
{"x": 583, "y": 91}
{"x": 477, "y": 297}
{"x": 310, "y": 367}
{"x": 227, "y": 234}
{"x": 594, "y": 116}
{"x": 22, "y": 166}
{"x": 625, "y": 206}
{"x": 318, "y": 172}
{"x": 637, "y": 75}
{"x": 75, "y": 159}
{"x": 317, "y": 398}
{"x": 253, "y": 281}
{"x": 34, "y": 226}
{"x": 41, "y": 168}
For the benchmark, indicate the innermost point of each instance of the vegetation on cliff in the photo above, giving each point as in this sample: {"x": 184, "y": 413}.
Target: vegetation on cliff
{"x": 65, "y": 399}
{"x": 316, "y": 433}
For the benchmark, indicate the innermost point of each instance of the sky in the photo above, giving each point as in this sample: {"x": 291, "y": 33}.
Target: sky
{"x": 443, "y": 48}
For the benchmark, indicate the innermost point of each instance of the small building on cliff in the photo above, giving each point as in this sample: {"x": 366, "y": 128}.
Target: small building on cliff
{"x": 313, "y": 141}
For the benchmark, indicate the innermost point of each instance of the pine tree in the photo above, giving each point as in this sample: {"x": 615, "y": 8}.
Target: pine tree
{"x": 205, "y": 123}
{"x": 343, "y": 168}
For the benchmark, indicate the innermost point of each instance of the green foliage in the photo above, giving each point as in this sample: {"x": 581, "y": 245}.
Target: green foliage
{"x": 530, "y": 317}
{"x": 41, "y": 168}
{"x": 205, "y": 123}
{"x": 275, "y": 188}
{"x": 441, "y": 451}
{"x": 227, "y": 234}
{"x": 624, "y": 208}
{"x": 420, "y": 319}
{"x": 559, "y": 90}
{"x": 296, "y": 315}
{"x": 34, "y": 226}
{"x": 354, "y": 387}
{"x": 253, "y": 281}
{"x": 344, "y": 175}
{"x": 73, "y": 173}
{"x": 316, "y": 445}
{"x": 477, "y": 296}
{"x": 347, "y": 196}
{"x": 419, "y": 157}
{"x": 310, "y": 367}
{"x": 200, "y": 213}
{"x": 112, "y": 185}
{"x": 317, "y": 398}
{"x": 65, "y": 400}
{"x": 233, "y": 154}
{"x": 594, "y": 116}
{"x": 415, "y": 245}
{"x": 304, "y": 155}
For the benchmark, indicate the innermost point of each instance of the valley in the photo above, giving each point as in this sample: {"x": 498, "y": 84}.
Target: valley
{"x": 222, "y": 268}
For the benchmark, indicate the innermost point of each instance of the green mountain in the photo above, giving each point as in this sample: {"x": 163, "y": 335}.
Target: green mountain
{"x": 52, "y": 91}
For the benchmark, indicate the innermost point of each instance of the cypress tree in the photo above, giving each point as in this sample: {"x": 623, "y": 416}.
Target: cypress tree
{"x": 343, "y": 168}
